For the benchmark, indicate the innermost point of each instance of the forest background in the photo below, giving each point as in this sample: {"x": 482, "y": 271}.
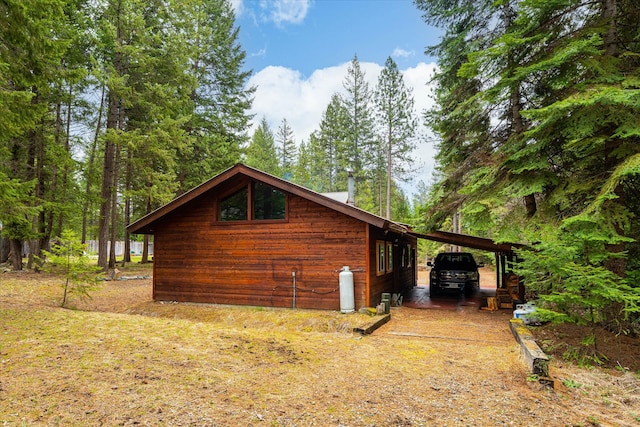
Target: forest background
{"x": 537, "y": 118}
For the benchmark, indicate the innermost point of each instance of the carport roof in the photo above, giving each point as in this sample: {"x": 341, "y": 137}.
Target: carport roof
{"x": 467, "y": 241}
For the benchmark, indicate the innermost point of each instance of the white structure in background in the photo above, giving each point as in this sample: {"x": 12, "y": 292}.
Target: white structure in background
{"x": 136, "y": 247}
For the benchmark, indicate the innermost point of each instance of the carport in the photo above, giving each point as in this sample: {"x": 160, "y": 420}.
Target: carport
{"x": 504, "y": 255}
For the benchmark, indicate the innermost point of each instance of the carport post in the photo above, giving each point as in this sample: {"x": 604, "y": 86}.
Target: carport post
{"x": 497, "y": 270}
{"x": 501, "y": 269}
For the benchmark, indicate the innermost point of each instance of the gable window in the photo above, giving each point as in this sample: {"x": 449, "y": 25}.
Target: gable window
{"x": 268, "y": 203}
{"x": 254, "y": 202}
{"x": 235, "y": 206}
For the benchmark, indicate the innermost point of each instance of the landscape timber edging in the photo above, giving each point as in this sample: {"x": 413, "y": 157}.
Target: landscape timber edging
{"x": 536, "y": 359}
{"x": 368, "y": 328}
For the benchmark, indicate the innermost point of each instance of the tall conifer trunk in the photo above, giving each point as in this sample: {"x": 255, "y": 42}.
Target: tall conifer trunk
{"x": 114, "y": 210}
{"x": 92, "y": 156}
{"x": 126, "y": 256}
{"x": 616, "y": 264}
{"x": 16, "y": 254}
{"x": 517, "y": 122}
{"x": 35, "y": 164}
{"x": 108, "y": 170}
{"x": 145, "y": 245}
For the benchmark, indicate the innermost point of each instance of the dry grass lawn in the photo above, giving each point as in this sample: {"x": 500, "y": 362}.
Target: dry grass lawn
{"x": 122, "y": 359}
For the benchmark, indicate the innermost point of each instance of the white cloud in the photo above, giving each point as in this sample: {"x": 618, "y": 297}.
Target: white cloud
{"x": 401, "y": 53}
{"x": 285, "y": 11}
{"x": 286, "y": 93}
{"x": 261, "y": 53}
{"x": 237, "y": 7}
{"x": 418, "y": 78}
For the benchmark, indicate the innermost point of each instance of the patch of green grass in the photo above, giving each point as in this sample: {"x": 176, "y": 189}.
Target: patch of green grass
{"x": 533, "y": 378}
{"x": 569, "y": 383}
{"x": 594, "y": 421}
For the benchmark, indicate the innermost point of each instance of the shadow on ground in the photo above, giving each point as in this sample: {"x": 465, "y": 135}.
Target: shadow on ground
{"x": 419, "y": 297}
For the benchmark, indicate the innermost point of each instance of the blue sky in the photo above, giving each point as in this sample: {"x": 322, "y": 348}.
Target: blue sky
{"x": 311, "y": 35}
{"x": 299, "y": 50}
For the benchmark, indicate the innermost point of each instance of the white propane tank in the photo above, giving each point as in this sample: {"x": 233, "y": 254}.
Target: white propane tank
{"x": 525, "y": 313}
{"x": 347, "y": 303}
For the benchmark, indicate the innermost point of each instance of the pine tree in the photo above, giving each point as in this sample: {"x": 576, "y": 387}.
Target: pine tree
{"x": 34, "y": 40}
{"x": 261, "y": 153}
{"x": 220, "y": 101}
{"x": 287, "y": 151}
{"x": 360, "y": 140}
{"x": 397, "y": 125}
{"x": 68, "y": 258}
{"x": 311, "y": 168}
{"x": 176, "y": 103}
{"x": 333, "y": 137}
{"x": 459, "y": 118}
{"x": 566, "y": 144}
{"x": 303, "y": 174}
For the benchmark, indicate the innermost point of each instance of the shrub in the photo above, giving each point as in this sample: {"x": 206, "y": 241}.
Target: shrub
{"x": 68, "y": 258}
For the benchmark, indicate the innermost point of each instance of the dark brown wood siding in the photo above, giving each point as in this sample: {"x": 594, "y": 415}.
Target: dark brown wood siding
{"x": 406, "y": 271}
{"x": 403, "y": 277}
{"x": 199, "y": 259}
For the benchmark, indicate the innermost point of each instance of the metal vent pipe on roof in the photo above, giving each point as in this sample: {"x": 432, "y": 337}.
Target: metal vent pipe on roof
{"x": 350, "y": 188}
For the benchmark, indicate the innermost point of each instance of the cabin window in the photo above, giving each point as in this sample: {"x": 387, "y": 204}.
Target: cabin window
{"x": 380, "y": 258}
{"x": 268, "y": 203}
{"x": 262, "y": 202}
{"x": 389, "y": 257}
{"x": 403, "y": 260}
{"x": 410, "y": 253}
{"x": 235, "y": 206}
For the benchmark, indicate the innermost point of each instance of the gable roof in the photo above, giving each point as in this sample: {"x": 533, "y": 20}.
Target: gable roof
{"x": 145, "y": 225}
{"x": 340, "y": 196}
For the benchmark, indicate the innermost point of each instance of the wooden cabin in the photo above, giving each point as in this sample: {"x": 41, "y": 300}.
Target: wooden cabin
{"x": 241, "y": 237}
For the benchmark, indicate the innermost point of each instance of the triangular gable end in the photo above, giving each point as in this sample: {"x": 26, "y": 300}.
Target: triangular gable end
{"x": 145, "y": 224}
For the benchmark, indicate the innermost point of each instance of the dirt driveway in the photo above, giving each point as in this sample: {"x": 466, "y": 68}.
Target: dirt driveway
{"x": 467, "y": 370}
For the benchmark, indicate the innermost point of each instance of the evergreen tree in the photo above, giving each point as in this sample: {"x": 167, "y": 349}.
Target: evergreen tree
{"x": 397, "y": 125}
{"x": 312, "y": 164}
{"x": 261, "y": 153}
{"x": 333, "y": 138}
{"x": 360, "y": 140}
{"x": 287, "y": 151}
{"x": 302, "y": 174}
{"x": 219, "y": 120}
{"x": 176, "y": 103}
{"x": 68, "y": 258}
{"x": 458, "y": 118}
{"x": 113, "y": 39}
{"x": 35, "y": 38}
{"x": 566, "y": 143}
